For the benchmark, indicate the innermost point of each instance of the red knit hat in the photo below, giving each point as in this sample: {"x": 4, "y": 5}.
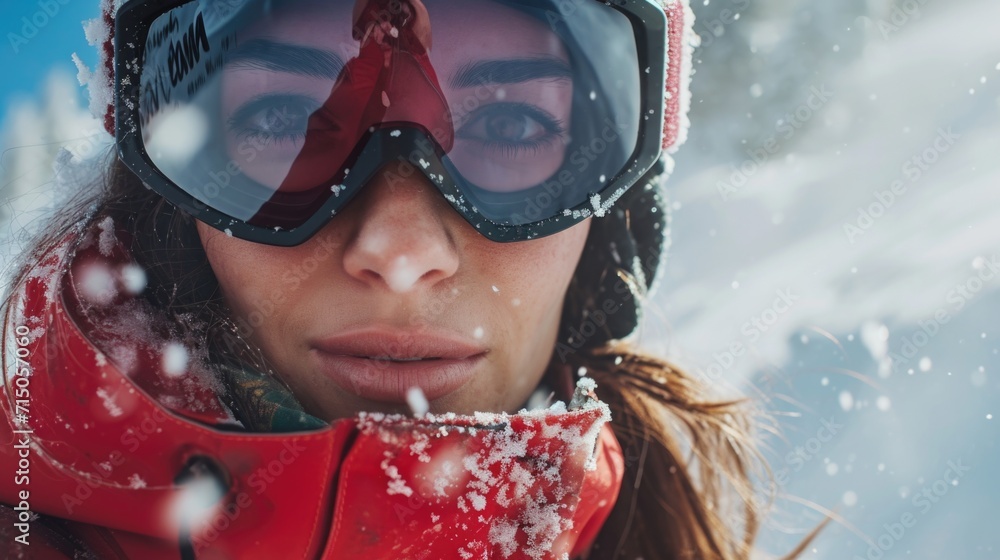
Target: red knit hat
{"x": 681, "y": 41}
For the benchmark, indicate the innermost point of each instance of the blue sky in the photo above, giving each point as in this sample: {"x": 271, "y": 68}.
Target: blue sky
{"x": 50, "y": 48}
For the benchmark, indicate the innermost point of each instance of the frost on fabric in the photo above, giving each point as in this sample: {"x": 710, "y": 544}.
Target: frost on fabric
{"x": 396, "y": 483}
{"x": 136, "y": 482}
{"x": 166, "y": 360}
{"x": 98, "y": 81}
{"x": 109, "y": 403}
{"x": 680, "y": 10}
{"x": 107, "y": 240}
{"x": 147, "y": 347}
{"x": 512, "y": 480}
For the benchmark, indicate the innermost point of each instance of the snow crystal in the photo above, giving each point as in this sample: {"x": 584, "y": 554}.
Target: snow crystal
{"x": 175, "y": 359}
{"x": 396, "y": 483}
{"x": 97, "y": 285}
{"x": 925, "y": 364}
{"x": 83, "y": 73}
{"x": 850, "y": 498}
{"x": 447, "y": 476}
{"x": 403, "y": 275}
{"x": 417, "y": 401}
{"x": 135, "y": 481}
{"x": 109, "y": 403}
{"x": 134, "y": 278}
{"x": 396, "y": 133}
{"x": 194, "y": 504}
{"x": 478, "y": 333}
{"x": 179, "y": 135}
{"x": 419, "y": 448}
{"x": 846, "y": 400}
{"x": 504, "y": 534}
{"x": 98, "y": 81}
{"x": 595, "y": 201}
{"x": 229, "y": 232}
{"x": 883, "y": 403}
{"x": 875, "y": 337}
{"x": 477, "y": 500}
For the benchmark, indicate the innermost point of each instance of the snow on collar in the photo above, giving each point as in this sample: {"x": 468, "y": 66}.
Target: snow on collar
{"x": 533, "y": 485}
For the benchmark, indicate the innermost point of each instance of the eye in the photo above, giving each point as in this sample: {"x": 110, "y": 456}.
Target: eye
{"x": 511, "y": 124}
{"x": 511, "y": 128}
{"x": 273, "y": 117}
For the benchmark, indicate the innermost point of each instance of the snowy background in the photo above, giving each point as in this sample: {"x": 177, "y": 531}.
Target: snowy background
{"x": 868, "y": 319}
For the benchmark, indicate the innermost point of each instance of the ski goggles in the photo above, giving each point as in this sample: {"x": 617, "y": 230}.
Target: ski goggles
{"x": 264, "y": 118}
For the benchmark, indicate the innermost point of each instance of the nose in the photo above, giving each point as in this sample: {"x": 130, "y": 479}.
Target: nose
{"x": 403, "y": 239}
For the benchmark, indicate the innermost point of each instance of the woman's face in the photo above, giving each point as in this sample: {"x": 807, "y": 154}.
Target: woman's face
{"x": 398, "y": 272}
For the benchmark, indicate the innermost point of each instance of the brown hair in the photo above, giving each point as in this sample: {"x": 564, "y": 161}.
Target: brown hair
{"x": 691, "y": 462}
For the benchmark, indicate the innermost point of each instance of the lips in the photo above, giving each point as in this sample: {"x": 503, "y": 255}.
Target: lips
{"x": 382, "y": 365}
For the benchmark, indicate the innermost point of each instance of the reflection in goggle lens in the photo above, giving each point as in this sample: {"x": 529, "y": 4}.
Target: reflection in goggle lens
{"x": 259, "y": 109}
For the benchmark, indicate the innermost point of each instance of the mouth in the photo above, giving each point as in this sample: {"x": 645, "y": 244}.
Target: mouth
{"x": 384, "y": 365}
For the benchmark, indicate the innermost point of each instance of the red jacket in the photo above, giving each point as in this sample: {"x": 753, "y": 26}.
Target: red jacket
{"x": 132, "y": 478}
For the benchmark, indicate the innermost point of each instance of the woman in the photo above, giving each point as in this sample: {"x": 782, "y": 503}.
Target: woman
{"x": 344, "y": 249}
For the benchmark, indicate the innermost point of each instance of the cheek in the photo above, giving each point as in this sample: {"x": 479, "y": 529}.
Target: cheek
{"x": 542, "y": 269}
{"x": 242, "y": 286}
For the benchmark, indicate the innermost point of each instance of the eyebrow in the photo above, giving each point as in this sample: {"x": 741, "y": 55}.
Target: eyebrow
{"x": 285, "y": 57}
{"x": 510, "y": 71}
